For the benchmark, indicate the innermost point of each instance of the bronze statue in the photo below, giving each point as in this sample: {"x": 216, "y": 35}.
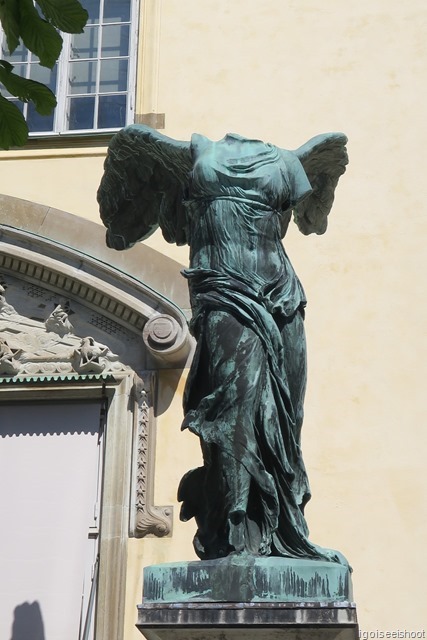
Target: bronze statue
{"x": 231, "y": 201}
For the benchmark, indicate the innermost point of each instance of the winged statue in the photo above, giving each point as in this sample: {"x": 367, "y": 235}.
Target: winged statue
{"x": 231, "y": 201}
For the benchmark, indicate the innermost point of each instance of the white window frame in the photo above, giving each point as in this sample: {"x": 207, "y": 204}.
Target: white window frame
{"x": 60, "y": 114}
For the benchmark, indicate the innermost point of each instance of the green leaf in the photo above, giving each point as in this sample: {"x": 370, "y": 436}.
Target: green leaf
{"x": 26, "y": 90}
{"x": 39, "y": 36}
{"x": 13, "y": 128}
{"x": 67, "y": 15}
{"x": 9, "y": 18}
{"x": 6, "y": 65}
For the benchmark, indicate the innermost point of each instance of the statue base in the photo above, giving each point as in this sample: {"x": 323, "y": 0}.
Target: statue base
{"x": 242, "y": 596}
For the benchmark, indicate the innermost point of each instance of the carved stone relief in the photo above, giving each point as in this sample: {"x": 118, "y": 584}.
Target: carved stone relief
{"x": 32, "y": 347}
{"x": 9, "y": 366}
{"x": 58, "y": 322}
{"x": 92, "y": 357}
{"x": 147, "y": 519}
{"x": 53, "y": 326}
{"x": 5, "y": 308}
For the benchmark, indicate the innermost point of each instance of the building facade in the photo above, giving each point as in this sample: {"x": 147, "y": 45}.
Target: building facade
{"x": 95, "y": 344}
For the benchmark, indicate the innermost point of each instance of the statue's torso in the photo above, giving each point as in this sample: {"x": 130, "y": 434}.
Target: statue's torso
{"x": 237, "y": 190}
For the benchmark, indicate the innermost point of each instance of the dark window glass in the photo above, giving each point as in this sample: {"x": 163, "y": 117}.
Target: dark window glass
{"x": 36, "y": 122}
{"x": 92, "y": 7}
{"x": 18, "y": 104}
{"x": 111, "y": 112}
{"x": 80, "y": 113}
{"x": 116, "y": 11}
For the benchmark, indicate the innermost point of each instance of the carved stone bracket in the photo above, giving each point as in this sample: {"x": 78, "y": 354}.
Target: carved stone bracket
{"x": 147, "y": 518}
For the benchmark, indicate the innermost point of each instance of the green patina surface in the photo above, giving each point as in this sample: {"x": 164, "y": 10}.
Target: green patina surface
{"x": 231, "y": 201}
{"x": 244, "y": 578}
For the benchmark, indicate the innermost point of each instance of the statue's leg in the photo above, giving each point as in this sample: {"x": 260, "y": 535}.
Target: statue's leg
{"x": 295, "y": 372}
{"x": 295, "y": 365}
{"x": 238, "y": 484}
{"x": 236, "y": 362}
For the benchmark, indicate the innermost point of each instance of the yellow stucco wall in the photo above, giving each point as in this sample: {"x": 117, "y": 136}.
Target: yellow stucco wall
{"x": 284, "y": 71}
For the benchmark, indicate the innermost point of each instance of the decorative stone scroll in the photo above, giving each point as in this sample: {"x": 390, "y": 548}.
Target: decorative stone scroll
{"x": 164, "y": 337}
{"x": 147, "y": 519}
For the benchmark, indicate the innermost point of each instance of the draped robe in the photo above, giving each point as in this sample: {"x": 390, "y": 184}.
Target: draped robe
{"x": 245, "y": 392}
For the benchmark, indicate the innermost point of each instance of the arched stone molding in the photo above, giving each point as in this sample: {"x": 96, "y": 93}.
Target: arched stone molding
{"x": 72, "y": 326}
{"x": 111, "y": 294}
{"x": 156, "y": 270}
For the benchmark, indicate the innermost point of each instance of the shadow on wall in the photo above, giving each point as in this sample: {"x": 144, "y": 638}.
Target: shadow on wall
{"x": 40, "y": 419}
{"x": 28, "y": 622}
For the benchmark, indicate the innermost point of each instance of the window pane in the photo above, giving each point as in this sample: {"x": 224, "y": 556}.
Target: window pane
{"x": 21, "y": 70}
{"x": 17, "y": 103}
{"x": 92, "y": 7}
{"x": 82, "y": 77}
{"x": 19, "y": 55}
{"x": 111, "y": 111}
{"x": 44, "y": 75}
{"x": 115, "y": 41}
{"x": 85, "y": 45}
{"x": 116, "y": 11}
{"x": 36, "y": 122}
{"x": 114, "y": 76}
{"x": 80, "y": 113}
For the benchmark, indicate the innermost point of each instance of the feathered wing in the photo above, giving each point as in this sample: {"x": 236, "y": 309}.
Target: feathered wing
{"x": 145, "y": 177}
{"x": 324, "y": 159}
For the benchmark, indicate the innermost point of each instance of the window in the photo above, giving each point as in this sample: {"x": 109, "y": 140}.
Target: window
{"x": 95, "y": 76}
{"x": 51, "y": 456}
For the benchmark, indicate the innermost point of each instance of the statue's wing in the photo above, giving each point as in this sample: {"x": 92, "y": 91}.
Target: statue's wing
{"x": 145, "y": 177}
{"x": 324, "y": 159}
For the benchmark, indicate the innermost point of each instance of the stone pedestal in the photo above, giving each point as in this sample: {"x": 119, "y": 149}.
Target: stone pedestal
{"x": 243, "y": 597}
